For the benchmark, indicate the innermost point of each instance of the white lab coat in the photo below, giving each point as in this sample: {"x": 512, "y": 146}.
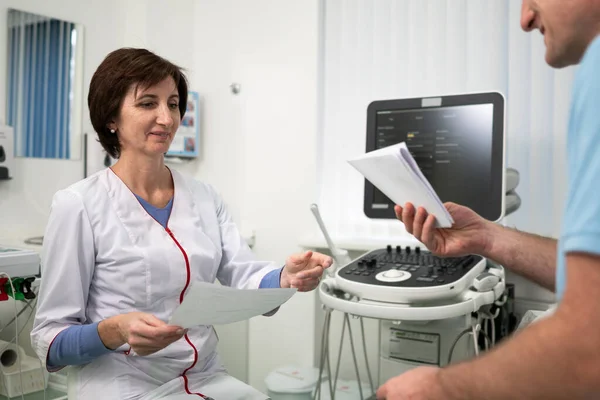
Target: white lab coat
{"x": 104, "y": 256}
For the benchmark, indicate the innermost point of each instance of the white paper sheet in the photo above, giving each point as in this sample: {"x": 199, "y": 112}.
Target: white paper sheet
{"x": 211, "y": 304}
{"x": 395, "y": 172}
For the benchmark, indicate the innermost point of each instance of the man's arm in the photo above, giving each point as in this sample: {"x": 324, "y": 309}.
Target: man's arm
{"x": 556, "y": 358}
{"x": 529, "y": 255}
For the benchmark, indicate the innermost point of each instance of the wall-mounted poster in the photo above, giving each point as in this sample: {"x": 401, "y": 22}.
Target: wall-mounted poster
{"x": 186, "y": 142}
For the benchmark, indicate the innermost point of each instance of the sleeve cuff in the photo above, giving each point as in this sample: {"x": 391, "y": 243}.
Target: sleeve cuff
{"x": 76, "y": 345}
{"x": 585, "y": 243}
{"x": 271, "y": 280}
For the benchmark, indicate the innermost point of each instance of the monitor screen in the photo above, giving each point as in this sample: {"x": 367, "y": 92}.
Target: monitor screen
{"x": 457, "y": 141}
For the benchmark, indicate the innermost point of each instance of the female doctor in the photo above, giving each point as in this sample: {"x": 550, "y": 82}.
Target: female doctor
{"x": 122, "y": 247}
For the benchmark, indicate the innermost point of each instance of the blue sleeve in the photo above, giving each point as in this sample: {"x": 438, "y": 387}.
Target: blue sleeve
{"x": 78, "y": 344}
{"x": 271, "y": 280}
{"x": 581, "y": 225}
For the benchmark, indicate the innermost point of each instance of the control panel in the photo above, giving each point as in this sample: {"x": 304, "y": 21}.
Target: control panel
{"x": 407, "y": 267}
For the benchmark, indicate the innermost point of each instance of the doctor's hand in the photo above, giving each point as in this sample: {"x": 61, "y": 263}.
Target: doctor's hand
{"x": 470, "y": 234}
{"x": 147, "y": 334}
{"x": 303, "y": 271}
{"x": 421, "y": 383}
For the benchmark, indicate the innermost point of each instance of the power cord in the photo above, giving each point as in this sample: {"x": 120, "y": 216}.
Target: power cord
{"x": 362, "y": 331}
{"x": 347, "y": 319}
{"x": 474, "y": 330}
{"x": 337, "y": 367}
{"x": 324, "y": 357}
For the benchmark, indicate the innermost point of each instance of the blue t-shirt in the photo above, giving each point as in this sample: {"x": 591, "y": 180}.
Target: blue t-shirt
{"x": 581, "y": 221}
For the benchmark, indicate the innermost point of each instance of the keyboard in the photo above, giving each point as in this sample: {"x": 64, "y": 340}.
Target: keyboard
{"x": 407, "y": 267}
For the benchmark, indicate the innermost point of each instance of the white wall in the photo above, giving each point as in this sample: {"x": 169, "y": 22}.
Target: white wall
{"x": 280, "y": 125}
{"x": 259, "y": 148}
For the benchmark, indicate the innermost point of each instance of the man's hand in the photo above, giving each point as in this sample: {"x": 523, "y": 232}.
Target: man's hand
{"x": 303, "y": 271}
{"x": 421, "y": 383}
{"x": 470, "y": 233}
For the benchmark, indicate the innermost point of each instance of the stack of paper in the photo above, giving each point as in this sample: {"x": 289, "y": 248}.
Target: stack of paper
{"x": 396, "y": 174}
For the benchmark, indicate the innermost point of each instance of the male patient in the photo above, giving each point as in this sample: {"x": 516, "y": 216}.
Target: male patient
{"x": 559, "y": 357}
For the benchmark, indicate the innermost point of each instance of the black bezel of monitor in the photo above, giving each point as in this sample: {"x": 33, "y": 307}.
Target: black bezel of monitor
{"x": 496, "y": 194}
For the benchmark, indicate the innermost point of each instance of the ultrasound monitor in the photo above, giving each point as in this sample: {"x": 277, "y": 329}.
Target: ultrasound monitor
{"x": 457, "y": 141}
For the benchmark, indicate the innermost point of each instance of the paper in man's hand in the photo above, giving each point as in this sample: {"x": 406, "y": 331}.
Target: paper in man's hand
{"x": 396, "y": 174}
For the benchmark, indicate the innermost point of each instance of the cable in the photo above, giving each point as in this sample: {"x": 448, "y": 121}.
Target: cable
{"x": 493, "y": 324}
{"x": 475, "y": 329}
{"x": 486, "y": 338}
{"x": 362, "y": 331}
{"x": 324, "y": 356}
{"x": 12, "y": 287}
{"x": 337, "y": 367}
{"x": 466, "y": 331}
{"x": 489, "y": 319}
{"x": 331, "y": 387}
{"x": 500, "y": 302}
{"x": 347, "y": 319}
{"x": 318, "y": 388}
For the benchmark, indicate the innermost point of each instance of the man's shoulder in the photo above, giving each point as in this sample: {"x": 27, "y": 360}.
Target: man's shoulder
{"x": 594, "y": 48}
{"x": 586, "y": 88}
{"x": 590, "y": 63}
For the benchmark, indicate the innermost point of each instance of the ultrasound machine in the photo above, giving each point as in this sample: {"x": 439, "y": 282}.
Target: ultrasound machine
{"x": 432, "y": 310}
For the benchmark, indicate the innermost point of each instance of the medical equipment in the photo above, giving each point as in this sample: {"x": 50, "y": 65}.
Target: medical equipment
{"x": 20, "y": 374}
{"x": 457, "y": 142}
{"x": 429, "y": 310}
{"x": 6, "y": 151}
{"x": 432, "y": 310}
{"x": 16, "y": 366}
{"x": 18, "y": 262}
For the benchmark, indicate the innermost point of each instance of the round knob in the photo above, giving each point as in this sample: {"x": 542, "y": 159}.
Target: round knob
{"x": 371, "y": 263}
{"x": 417, "y": 250}
{"x": 398, "y": 249}
{"x": 389, "y": 248}
{"x": 407, "y": 249}
{"x": 393, "y": 273}
{"x": 430, "y": 270}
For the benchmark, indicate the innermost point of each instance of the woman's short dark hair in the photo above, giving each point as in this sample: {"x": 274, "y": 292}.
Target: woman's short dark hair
{"x": 116, "y": 74}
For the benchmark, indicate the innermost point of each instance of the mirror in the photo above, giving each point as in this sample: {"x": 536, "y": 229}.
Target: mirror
{"x": 45, "y": 85}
